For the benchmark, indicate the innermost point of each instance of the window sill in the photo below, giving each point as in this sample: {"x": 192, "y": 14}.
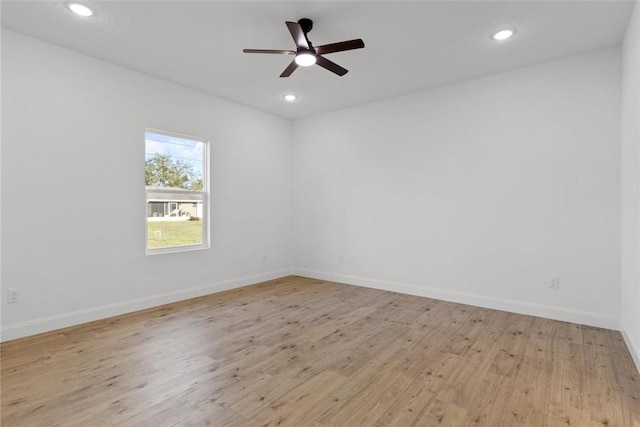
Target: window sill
{"x": 176, "y": 249}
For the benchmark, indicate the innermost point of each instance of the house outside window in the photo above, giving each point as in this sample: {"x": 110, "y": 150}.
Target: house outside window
{"x": 176, "y": 179}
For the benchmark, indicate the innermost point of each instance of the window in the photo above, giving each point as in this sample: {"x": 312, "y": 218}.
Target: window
{"x": 176, "y": 181}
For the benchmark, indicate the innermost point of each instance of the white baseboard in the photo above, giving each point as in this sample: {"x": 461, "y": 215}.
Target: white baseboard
{"x": 46, "y": 324}
{"x": 51, "y": 323}
{"x": 634, "y": 350}
{"x": 549, "y": 312}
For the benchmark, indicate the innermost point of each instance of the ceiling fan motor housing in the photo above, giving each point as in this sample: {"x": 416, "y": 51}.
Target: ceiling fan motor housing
{"x": 306, "y": 24}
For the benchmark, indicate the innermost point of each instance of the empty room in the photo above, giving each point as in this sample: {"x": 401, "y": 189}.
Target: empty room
{"x": 320, "y": 213}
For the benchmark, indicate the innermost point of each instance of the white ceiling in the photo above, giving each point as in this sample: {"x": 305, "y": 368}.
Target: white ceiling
{"x": 410, "y": 45}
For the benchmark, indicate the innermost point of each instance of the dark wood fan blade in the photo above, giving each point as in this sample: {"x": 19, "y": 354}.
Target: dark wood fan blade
{"x": 298, "y": 35}
{"x": 340, "y": 46}
{"x": 280, "y": 52}
{"x": 331, "y": 66}
{"x": 290, "y": 69}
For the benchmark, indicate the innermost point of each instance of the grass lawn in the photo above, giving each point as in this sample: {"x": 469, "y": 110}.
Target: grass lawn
{"x": 162, "y": 234}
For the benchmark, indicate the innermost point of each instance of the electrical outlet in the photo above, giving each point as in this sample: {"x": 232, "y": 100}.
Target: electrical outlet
{"x": 341, "y": 258}
{"x": 554, "y": 282}
{"x": 264, "y": 258}
{"x": 13, "y": 295}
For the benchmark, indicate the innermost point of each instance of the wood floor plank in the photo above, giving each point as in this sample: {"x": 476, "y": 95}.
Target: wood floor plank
{"x": 306, "y": 352}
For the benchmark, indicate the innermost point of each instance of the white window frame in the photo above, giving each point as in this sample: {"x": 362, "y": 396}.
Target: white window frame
{"x": 204, "y": 194}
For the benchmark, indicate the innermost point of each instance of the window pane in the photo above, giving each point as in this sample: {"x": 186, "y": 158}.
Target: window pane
{"x": 173, "y": 162}
{"x": 174, "y": 223}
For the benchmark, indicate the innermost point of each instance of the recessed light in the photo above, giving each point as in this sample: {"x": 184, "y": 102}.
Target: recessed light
{"x": 80, "y": 9}
{"x": 290, "y": 97}
{"x": 503, "y": 35}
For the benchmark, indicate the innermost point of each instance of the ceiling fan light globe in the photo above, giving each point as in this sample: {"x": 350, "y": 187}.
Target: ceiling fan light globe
{"x": 305, "y": 59}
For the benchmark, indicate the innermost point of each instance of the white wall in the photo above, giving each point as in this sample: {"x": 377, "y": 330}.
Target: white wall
{"x": 73, "y": 189}
{"x": 630, "y": 318}
{"x": 477, "y": 192}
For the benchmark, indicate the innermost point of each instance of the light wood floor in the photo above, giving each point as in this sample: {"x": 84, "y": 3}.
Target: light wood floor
{"x": 302, "y": 352}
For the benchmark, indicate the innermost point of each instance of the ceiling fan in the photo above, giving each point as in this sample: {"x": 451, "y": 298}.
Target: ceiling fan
{"x": 306, "y": 54}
